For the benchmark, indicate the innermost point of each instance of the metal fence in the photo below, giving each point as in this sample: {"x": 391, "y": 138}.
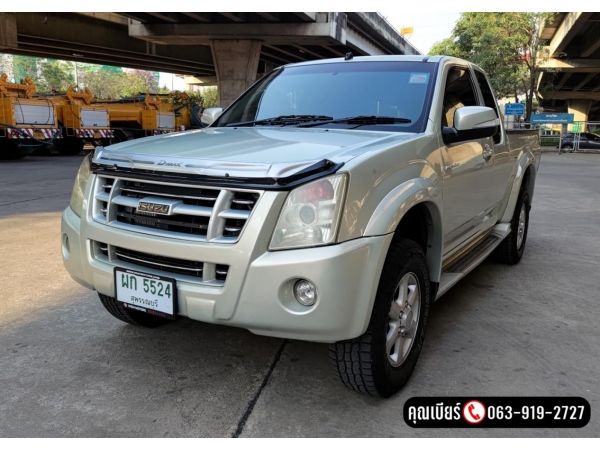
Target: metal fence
{"x": 565, "y": 138}
{"x": 575, "y": 137}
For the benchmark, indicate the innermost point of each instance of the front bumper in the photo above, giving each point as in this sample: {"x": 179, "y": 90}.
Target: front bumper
{"x": 258, "y": 292}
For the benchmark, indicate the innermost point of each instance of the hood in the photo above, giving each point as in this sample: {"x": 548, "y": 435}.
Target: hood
{"x": 245, "y": 151}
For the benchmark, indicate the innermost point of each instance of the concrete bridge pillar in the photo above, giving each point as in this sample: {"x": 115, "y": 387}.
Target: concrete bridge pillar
{"x": 236, "y": 64}
{"x": 8, "y": 30}
{"x": 580, "y": 109}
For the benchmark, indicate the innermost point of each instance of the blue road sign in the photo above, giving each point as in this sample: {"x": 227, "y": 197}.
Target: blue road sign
{"x": 552, "y": 118}
{"x": 514, "y": 109}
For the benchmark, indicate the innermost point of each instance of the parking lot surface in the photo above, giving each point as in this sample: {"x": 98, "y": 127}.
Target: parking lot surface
{"x": 67, "y": 368}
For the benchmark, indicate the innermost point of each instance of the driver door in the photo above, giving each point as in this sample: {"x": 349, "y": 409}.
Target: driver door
{"x": 465, "y": 184}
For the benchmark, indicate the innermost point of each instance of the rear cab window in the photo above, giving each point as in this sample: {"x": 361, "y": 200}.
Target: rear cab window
{"x": 488, "y": 99}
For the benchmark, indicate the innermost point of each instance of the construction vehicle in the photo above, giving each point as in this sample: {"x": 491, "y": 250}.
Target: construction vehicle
{"x": 85, "y": 121}
{"x": 188, "y": 111}
{"x": 71, "y": 120}
{"x": 139, "y": 116}
{"x": 81, "y": 121}
{"x": 26, "y": 122}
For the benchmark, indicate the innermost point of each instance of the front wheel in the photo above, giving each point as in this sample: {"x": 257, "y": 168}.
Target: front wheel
{"x": 121, "y": 312}
{"x": 381, "y": 361}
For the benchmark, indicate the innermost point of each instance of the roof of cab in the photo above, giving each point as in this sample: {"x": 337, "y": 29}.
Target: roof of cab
{"x": 382, "y": 58}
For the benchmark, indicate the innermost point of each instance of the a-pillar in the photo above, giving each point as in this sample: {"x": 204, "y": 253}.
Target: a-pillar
{"x": 580, "y": 109}
{"x": 236, "y": 64}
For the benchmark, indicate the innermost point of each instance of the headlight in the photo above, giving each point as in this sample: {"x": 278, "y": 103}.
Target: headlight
{"x": 311, "y": 214}
{"x": 77, "y": 196}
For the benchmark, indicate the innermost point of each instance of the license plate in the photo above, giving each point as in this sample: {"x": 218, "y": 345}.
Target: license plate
{"x": 145, "y": 292}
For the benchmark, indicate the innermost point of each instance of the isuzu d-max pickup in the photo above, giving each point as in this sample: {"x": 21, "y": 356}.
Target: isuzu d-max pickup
{"x": 333, "y": 201}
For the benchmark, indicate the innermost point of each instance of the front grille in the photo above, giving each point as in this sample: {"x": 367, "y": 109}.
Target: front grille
{"x": 198, "y": 213}
{"x": 102, "y": 196}
{"x": 195, "y": 270}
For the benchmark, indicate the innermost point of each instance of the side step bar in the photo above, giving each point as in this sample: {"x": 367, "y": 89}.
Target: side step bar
{"x": 460, "y": 268}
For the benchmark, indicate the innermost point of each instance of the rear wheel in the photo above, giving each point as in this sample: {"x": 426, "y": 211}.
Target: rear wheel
{"x": 381, "y": 361}
{"x": 512, "y": 248}
{"x": 121, "y": 312}
{"x": 567, "y": 148}
{"x": 11, "y": 150}
{"x": 69, "y": 146}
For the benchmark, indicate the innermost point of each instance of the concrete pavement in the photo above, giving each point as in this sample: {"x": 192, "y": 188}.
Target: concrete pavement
{"x": 67, "y": 368}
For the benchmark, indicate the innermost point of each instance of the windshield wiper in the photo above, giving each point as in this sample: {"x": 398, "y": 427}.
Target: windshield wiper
{"x": 360, "y": 121}
{"x": 282, "y": 120}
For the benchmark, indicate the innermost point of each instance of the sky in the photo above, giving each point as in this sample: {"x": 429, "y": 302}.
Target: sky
{"x": 429, "y": 27}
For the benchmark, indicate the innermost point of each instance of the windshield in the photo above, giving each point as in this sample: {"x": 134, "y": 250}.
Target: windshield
{"x": 395, "y": 90}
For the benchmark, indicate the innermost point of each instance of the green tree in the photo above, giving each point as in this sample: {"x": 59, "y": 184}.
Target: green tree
{"x": 210, "y": 97}
{"x": 114, "y": 84}
{"x": 56, "y": 76}
{"x": 6, "y": 64}
{"x": 445, "y": 47}
{"x": 113, "y": 69}
{"x": 140, "y": 82}
{"x": 25, "y": 66}
{"x": 104, "y": 84}
{"x": 506, "y": 45}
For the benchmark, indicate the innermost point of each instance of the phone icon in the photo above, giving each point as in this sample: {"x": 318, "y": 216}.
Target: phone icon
{"x": 474, "y": 412}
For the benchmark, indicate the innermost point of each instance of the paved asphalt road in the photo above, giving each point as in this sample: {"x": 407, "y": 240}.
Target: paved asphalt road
{"x": 67, "y": 368}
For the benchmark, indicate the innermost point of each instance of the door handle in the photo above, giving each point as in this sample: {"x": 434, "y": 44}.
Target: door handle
{"x": 487, "y": 152}
{"x": 452, "y": 166}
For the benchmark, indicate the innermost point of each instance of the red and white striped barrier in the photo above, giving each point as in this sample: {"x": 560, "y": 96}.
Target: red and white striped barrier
{"x": 30, "y": 133}
{"x": 90, "y": 133}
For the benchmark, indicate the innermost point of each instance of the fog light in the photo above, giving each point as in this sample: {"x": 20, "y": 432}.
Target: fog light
{"x": 305, "y": 292}
{"x": 66, "y": 248}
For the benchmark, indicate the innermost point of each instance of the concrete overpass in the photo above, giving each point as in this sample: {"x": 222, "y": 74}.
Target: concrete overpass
{"x": 229, "y": 49}
{"x": 570, "y": 79}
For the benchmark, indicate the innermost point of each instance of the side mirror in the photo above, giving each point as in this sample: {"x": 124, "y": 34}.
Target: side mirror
{"x": 475, "y": 117}
{"x": 209, "y": 115}
{"x": 470, "y": 123}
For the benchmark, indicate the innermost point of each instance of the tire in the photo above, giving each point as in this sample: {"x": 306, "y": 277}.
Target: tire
{"x": 121, "y": 312}
{"x": 364, "y": 364}
{"x": 69, "y": 146}
{"x": 10, "y": 150}
{"x": 567, "y": 148}
{"x": 512, "y": 247}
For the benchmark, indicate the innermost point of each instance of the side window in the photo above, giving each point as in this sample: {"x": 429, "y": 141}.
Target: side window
{"x": 459, "y": 92}
{"x": 488, "y": 99}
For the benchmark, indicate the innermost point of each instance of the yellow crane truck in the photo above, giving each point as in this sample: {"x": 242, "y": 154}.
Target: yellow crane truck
{"x": 71, "y": 120}
{"x": 26, "y": 122}
{"x": 81, "y": 121}
{"x": 139, "y": 116}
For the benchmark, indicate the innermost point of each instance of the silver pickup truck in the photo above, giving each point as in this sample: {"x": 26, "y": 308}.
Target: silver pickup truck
{"x": 334, "y": 201}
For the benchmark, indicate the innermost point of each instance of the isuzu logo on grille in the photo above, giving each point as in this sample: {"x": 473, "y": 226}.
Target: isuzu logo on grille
{"x": 152, "y": 207}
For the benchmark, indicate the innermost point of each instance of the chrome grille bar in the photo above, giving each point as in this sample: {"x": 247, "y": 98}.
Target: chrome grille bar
{"x": 198, "y": 213}
{"x": 121, "y": 255}
{"x": 191, "y": 270}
